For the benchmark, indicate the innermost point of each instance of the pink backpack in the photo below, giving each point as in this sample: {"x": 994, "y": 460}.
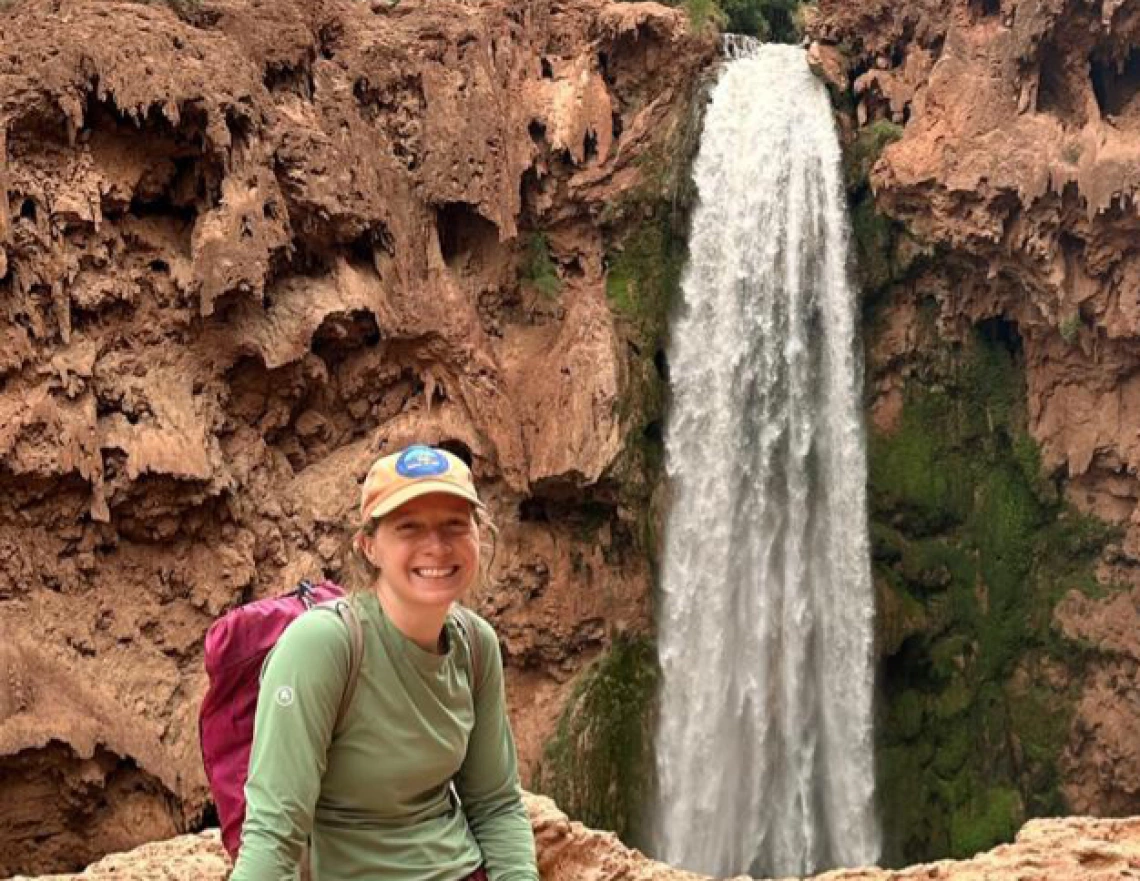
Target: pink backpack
{"x": 236, "y": 646}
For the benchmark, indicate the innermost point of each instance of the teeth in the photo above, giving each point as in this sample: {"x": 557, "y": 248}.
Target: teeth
{"x": 436, "y": 573}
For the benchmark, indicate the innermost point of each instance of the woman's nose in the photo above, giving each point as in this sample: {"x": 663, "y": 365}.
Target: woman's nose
{"x": 438, "y": 539}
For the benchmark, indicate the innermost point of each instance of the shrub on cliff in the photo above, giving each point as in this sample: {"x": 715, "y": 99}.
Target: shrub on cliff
{"x": 773, "y": 20}
{"x": 770, "y": 20}
{"x": 538, "y": 269}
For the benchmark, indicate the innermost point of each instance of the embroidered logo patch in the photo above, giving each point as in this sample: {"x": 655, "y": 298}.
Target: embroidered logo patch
{"x": 284, "y": 696}
{"x": 420, "y": 461}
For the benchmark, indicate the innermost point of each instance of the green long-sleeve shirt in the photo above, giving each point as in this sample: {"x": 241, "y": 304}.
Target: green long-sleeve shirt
{"x": 376, "y": 798}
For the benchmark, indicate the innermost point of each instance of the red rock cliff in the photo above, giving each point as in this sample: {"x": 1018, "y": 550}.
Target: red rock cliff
{"x": 248, "y": 245}
{"x": 1008, "y": 177}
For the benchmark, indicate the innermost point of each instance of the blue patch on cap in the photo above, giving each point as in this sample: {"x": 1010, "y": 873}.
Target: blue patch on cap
{"x": 421, "y": 461}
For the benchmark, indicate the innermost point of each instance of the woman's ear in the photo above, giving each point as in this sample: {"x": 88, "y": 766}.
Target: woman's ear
{"x": 363, "y": 545}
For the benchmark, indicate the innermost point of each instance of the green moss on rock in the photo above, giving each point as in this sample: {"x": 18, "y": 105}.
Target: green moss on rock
{"x": 885, "y": 250}
{"x": 992, "y": 816}
{"x": 538, "y": 270}
{"x": 1040, "y": 718}
{"x": 874, "y": 238}
{"x": 933, "y": 565}
{"x": 951, "y": 701}
{"x": 643, "y": 277}
{"x": 950, "y": 656}
{"x": 967, "y": 528}
{"x": 645, "y": 233}
{"x": 599, "y": 765}
{"x": 906, "y": 715}
{"x": 870, "y": 142}
{"x": 953, "y": 751}
{"x": 911, "y": 473}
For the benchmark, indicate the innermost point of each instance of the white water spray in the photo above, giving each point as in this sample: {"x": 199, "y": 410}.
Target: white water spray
{"x": 764, "y": 744}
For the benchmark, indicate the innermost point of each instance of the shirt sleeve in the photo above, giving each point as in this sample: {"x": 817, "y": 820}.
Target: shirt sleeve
{"x": 302, "y": 682}
{"x": 488, "y": 781}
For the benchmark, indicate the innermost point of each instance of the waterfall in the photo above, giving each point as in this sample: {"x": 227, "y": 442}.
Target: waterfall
{"x": 764, "y": 739}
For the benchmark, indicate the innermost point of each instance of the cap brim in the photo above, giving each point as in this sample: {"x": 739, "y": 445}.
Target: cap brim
{"x": 422, "y": 488}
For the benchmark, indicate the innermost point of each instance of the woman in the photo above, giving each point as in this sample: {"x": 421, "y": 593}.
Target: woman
{"x": 420, "y": 781}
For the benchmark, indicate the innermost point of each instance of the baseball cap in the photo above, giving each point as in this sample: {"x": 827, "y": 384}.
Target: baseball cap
{"x": 415, "y": 471}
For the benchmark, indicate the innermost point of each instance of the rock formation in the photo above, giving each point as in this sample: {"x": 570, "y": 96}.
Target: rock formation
{"x": 995, "y": 151}
{"x": 247, "y": 246}
{"x": 1045, "y": 850}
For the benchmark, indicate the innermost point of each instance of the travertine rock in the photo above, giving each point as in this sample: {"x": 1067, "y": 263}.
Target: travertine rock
{"x": 1072, "y": 849}
{"x": 1102, "y": 759}
{"x": 1018, "y": 177}
{"x": 242, "y": 252}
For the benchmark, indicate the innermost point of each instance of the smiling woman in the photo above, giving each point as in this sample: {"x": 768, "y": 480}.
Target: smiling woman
{"x": 419, "y": 781}
{"x": 427, "y": 554}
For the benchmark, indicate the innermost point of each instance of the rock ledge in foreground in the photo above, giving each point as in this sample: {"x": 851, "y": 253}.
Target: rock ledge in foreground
{"x": 1066, "y": 849}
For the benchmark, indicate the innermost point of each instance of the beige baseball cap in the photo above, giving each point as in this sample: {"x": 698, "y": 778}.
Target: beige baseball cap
{"x": 398, "y": 478}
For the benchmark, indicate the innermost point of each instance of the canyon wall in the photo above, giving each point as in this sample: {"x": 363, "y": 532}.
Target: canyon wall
{"x": 993, "y": 166}
{"x": 248, "y": 246}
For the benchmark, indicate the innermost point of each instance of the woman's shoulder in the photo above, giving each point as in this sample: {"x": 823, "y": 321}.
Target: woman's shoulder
{"x": 319, "y": 631}
{"x": 476, "y": 626}
{"x": 482, "y": 641}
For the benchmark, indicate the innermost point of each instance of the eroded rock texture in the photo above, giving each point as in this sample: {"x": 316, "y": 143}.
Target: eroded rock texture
{"x": 1046, "y": 850}
{"x": 244, "y": 251}
{"x": 1009, "y": 171}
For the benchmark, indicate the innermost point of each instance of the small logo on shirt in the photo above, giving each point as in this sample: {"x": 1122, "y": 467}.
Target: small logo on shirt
{"x": 284, "y": 696}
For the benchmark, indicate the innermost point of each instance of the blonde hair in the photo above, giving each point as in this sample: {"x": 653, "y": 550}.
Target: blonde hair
{"x": 358, "y": 574}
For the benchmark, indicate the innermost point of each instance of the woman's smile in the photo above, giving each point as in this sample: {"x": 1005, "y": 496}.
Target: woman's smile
{"x": 436, "y": 573}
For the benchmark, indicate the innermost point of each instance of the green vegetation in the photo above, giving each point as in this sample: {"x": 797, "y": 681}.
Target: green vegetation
{"x": 1070, "y": 328}
{"x": 988, "y": 818}
{"x": 869, "y": 145}
{"x": 778, "y": 21}
{"x": 642, "y": 281}
{"x": 774, "y": 20}
{"x": 976, "y": 546}
{"x": 538, "y": 270}
{"x": 701, "y": 12}
{"x": 599, "y": 765}
{"x": 972, "y": 547}
{"x": 643, "y": 276}
{"x": 884, "y": 251}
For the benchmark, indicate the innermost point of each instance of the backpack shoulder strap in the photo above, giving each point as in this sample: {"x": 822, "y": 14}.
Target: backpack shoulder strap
{"x": 465, "y": 619}
{"x": 344, "y": 608}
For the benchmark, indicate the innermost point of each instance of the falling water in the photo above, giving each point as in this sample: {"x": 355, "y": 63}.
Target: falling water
{"x": 764, "y": 744}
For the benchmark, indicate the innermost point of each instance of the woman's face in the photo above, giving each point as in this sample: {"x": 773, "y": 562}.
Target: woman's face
{"x": 427, "y": 550}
